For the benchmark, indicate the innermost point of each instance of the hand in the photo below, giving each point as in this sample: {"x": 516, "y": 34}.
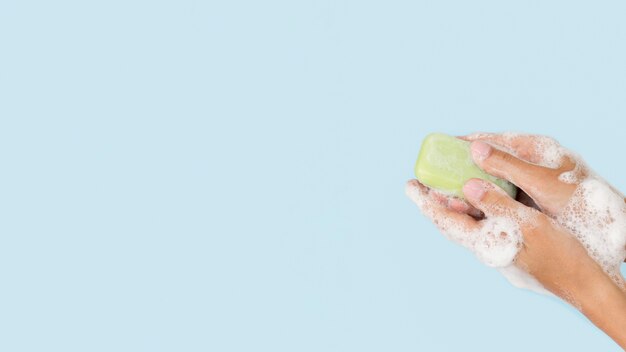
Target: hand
{"x": 553, "y": 256}
{"x": 557, "y": 182}
{"x": 559, "y": 262}
{"x": 573, "y": 248}
{"x": 509, "y": 231}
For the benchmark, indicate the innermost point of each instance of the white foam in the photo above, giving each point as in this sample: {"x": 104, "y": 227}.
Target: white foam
{"x": 522, "y": 279}
{"x": 495, "y": 243}
{"x": 595, "y": 215}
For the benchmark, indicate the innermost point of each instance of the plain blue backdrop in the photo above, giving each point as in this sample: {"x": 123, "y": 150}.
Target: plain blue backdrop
{"x": 229, "y": 175}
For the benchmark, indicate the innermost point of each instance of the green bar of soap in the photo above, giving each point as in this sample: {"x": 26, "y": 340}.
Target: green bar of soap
{"x": 445, "y": 164}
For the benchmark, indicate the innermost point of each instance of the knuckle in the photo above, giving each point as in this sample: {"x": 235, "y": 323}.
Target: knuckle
{"x": 536, "y": 224}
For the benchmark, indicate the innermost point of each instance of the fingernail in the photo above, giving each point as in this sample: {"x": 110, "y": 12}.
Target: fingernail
{"x": 480, "y": 150}
{"x": 474, "y": 190}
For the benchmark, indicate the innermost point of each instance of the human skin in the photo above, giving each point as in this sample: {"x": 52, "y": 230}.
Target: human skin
{"x": 549, "y": 252}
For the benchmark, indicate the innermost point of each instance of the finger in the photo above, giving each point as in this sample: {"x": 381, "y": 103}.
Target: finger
{"x": 439, "y": 197}
{"x": 490, "y": 199}
{"x": 458, "y": 205}
{"x": 502, "y": 164}
{"x": 524, "y": 146}
{"x": 454, "y": 203}
{"x": 479, "y": 136}
{"x": 462, "y": 206}
{"x": 442, "y": 216}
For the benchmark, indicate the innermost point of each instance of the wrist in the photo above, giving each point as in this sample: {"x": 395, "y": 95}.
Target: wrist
{"x": 601, "y": 300}
{"x": 587, "y": 283}
{"x": 574, "y": 276}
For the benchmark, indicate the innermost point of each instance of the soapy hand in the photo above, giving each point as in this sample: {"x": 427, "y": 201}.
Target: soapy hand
{"x": 520, "y": 233}
{"x": 557, "y": 182}
{"x": 568, "y": 237}
{"x": 549, "y": 254}
{"x": 546, "y": 172}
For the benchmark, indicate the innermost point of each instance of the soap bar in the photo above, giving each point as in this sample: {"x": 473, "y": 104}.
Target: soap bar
{"x": 445, "y": 163}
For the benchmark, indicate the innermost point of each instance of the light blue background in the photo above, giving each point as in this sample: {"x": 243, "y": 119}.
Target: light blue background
{"x": 229, "y": 175}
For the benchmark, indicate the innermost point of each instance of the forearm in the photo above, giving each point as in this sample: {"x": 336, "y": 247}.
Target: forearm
{"x": 604, "y": 303}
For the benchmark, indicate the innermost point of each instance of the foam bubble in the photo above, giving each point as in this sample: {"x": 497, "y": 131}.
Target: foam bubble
{"x": 596, "y": 215}
{"x": 520, "y": 278}
{"x": 495, "y": 243}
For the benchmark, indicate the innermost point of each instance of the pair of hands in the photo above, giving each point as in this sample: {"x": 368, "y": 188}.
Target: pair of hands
{"x": 549, "y": 252}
